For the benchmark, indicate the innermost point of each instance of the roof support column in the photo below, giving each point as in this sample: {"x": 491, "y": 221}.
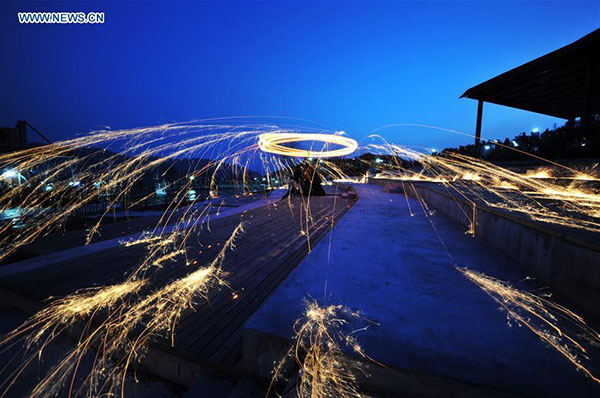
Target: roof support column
{"x": 478, "y": 125}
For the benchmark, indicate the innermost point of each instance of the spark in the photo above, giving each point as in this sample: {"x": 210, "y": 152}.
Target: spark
{"x": 317, "y": 351}
{"x": 115, "y": 323}
{"x": 542, "y": 172}
{"x": 118, "y": 321}
{"x": 470, "y": 177}
{"x": 584, "y": 177}
{"x": 541, "y": 316}
{"x": 144, "y": 239}
{"x": 131, "y": 318}
{"x": 535, "y": 194}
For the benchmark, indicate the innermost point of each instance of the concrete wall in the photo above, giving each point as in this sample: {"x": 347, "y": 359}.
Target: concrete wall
{"x": 565, "y": 262}
{"x": 262, "y": 351}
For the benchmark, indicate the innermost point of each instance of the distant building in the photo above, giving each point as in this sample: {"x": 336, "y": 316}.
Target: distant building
{"x": 14, "y": 138}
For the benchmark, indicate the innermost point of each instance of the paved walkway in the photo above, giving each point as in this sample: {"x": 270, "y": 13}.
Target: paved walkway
{"x": 392, "y": 266}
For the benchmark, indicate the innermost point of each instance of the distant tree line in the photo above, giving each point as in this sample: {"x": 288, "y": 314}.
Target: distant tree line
{"x": 568, "y": 141}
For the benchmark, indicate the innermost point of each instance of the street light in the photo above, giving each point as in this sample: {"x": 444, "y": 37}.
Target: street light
{"x": 10, "y": 173}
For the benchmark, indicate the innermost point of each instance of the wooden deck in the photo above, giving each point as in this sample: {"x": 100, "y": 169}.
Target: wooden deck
{"x": 269, "y": 249}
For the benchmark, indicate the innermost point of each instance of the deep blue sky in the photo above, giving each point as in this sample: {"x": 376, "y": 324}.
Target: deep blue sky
{"x": 352, "y": 66}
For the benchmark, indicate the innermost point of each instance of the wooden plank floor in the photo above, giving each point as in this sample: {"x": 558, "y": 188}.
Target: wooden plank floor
{"x": 269, "y": 249}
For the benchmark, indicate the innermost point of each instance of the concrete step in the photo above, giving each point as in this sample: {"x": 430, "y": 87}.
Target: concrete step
{"x": 248, "y": 388}
{"x": 208, "y": 386}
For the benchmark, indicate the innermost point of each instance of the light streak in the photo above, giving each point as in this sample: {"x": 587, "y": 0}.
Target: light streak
{"x": 273, "y": 143}
{"x": 584, "y": 177}
{"x": 542, "y": 317}
{"x": 543, "y": 172}
{"x": 478, "y": 181}
{"x": 536, "y": 194}
{"x": 118, "y": 321}
{"x": 141, "y": 152}
{"x": 416, "y": 177}
{"x": 470, "y": 177}
{"x": 317, "y": 351}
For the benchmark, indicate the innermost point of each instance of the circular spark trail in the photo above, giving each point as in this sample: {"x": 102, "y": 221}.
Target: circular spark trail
{"x": 274, "y": 143}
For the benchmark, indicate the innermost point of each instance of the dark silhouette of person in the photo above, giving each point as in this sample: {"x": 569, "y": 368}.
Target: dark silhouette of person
{"x": 305, "y": 181}
{"x": 312, "y": 182}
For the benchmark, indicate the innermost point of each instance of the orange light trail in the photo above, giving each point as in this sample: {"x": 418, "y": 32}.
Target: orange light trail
{"x": 274, "y": 143}
{"x": 132, "y": 312}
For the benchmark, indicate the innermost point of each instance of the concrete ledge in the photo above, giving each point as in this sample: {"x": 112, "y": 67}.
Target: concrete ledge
{"x": 564, "y": 261}
{"x": 12, "y": 300}
{"x": 180, "y": 368}
{"x": 263, "y": 350}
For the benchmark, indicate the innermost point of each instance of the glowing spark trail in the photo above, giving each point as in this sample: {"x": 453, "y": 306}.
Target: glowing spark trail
{"x": 541, "y": 316}
{"x": 317, "y": 351}
{"x": 108, "y": 172}
{"x": 121, "y": 334}
{"x": 273, "y": 143}
{"x": 479, "y": 181}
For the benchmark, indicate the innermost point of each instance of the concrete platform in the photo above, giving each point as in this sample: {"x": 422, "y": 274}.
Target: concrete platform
{"x": 564, "y": 258}
{"x": 439, "y": 334}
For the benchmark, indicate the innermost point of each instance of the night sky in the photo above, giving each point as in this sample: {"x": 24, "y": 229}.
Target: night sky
{"x": 350, "y": 66}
